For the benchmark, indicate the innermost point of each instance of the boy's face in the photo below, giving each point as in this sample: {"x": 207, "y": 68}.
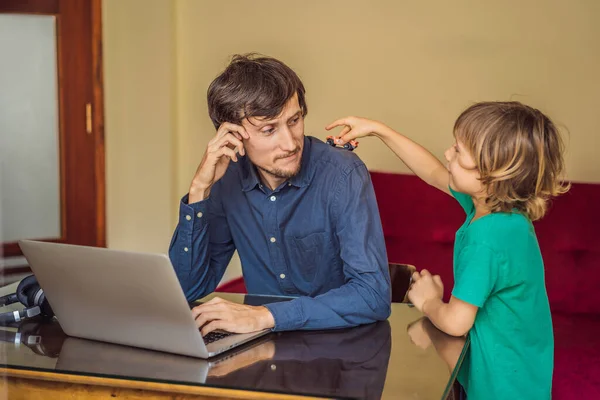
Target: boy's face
{"x": 464, "y": 176}
{"x": 275, "y": 146}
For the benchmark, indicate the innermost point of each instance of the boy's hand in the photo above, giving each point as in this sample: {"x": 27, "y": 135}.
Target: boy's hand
{"x": 417, "y": 333}
{"x": 355, "y": 127}
{"x": 425, "y": 288}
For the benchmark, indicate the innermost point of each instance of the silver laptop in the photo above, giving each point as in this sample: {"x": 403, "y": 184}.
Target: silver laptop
{"x": 122, "y": 297}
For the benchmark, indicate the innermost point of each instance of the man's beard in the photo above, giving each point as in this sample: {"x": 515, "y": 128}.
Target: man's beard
{"x": 284, "y": 174}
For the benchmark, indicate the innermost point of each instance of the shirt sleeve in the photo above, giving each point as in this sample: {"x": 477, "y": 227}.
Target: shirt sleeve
{"x": 476, "y": 273}
{"x": 366, "y": 295}
{"x": 465, "y": 201}
{"x": 202, "y": 245}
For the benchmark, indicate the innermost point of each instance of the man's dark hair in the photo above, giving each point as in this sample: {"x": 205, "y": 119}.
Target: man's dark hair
{"x": 253, "y": 85}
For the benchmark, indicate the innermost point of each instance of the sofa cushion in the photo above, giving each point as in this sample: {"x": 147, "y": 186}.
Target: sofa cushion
{"x": 576, "y": 357}
{"x": 569, "y": 236}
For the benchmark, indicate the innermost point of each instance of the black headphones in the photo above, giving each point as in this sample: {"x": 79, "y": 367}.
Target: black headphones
{"x": 42, "y": 337}
{"x": 30, "y": 294}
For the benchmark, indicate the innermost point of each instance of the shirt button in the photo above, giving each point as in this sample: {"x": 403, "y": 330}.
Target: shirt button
{"x": 273, "y": 367}
{"x": 199, "y": 215}
{"x": 273, "y": 198}
{"x": 289, "y": 184}
{"x": 185, "y": 249}
{"x": 188, "y": 217}
{"x": 282, "y": 276}
{"x": 273, "y": 240}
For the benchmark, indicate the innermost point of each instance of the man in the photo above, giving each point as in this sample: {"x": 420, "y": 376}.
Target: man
{"x": 302, "y": 214}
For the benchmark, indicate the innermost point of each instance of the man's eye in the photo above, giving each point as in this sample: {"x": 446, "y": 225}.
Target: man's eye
{"x": 268, "y": 131}
{"x": 295, "y": 121}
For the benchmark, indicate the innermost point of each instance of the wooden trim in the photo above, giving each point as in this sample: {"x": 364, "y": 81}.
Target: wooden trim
{"x": 12, "y": 249}
{"x": 62, "y": 149}
{"x": 29, "y": 6}
{"x": 98, "y": 121}
{"x": 27, "y": 381}
{"x": 75, "y": 59}
{"x": 81, "y": 157}
{"x": 17, "y": 270}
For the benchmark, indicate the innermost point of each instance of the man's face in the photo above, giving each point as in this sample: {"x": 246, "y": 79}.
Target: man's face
{"x": 275, "y": 145}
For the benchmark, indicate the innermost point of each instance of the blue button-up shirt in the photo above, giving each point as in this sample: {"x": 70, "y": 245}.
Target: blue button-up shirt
{"x": 317, "y": 237}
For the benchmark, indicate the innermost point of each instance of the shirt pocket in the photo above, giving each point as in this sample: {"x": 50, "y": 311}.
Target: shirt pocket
{"x": 308, "y": 254}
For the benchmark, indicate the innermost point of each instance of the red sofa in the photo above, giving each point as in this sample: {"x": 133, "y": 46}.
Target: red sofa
{"x": 419, "y": 223}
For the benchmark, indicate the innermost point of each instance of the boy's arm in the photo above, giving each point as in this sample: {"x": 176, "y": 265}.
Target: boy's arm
{"x": 418, "y": 159}
{"x": 455, "y": 318}
{"x": 426, "y": 292}
{"x": 476, "y": 272}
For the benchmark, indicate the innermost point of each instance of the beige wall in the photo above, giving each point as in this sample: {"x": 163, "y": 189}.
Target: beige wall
{"x": 414, "y": 65}
{"x": 411, "y": 64}
{"x": 139, "y": 89}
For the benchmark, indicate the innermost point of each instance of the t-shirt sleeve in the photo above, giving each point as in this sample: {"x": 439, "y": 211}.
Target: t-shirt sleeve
{"x": 465, "y": 201}
{"x": 476, "y": 274}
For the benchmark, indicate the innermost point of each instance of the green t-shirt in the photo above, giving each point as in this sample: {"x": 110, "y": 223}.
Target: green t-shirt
{"x": 498, "y": 267}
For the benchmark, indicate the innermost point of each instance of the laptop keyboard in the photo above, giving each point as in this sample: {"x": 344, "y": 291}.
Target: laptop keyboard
{"x": 214, "y": 336}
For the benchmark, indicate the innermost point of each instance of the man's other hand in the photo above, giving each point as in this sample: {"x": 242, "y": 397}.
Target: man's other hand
{"x": 264, "y": 351}
{"x": 231, "y": 317}
{"x": 223, "y": 148}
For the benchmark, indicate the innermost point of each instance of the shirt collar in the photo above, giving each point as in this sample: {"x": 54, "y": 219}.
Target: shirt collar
{"x": 250, "y": 178}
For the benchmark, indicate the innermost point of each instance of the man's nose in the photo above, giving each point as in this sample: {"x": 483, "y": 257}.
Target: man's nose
{"x": 287, "y": 142}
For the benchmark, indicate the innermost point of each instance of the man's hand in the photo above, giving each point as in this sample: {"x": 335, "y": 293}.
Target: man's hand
{"x": 425, "y": 288}
{"x": 231, "y": 317}
{"x": 264, "y": 351}
{"x": 219, "y": 152}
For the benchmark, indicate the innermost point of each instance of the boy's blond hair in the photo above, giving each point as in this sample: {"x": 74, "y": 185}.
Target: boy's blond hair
{"x": 518, "y": 152}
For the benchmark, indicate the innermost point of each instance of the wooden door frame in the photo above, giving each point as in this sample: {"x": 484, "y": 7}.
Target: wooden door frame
{"x": 98, "y": 121}
{"x": 94, "y": 96}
